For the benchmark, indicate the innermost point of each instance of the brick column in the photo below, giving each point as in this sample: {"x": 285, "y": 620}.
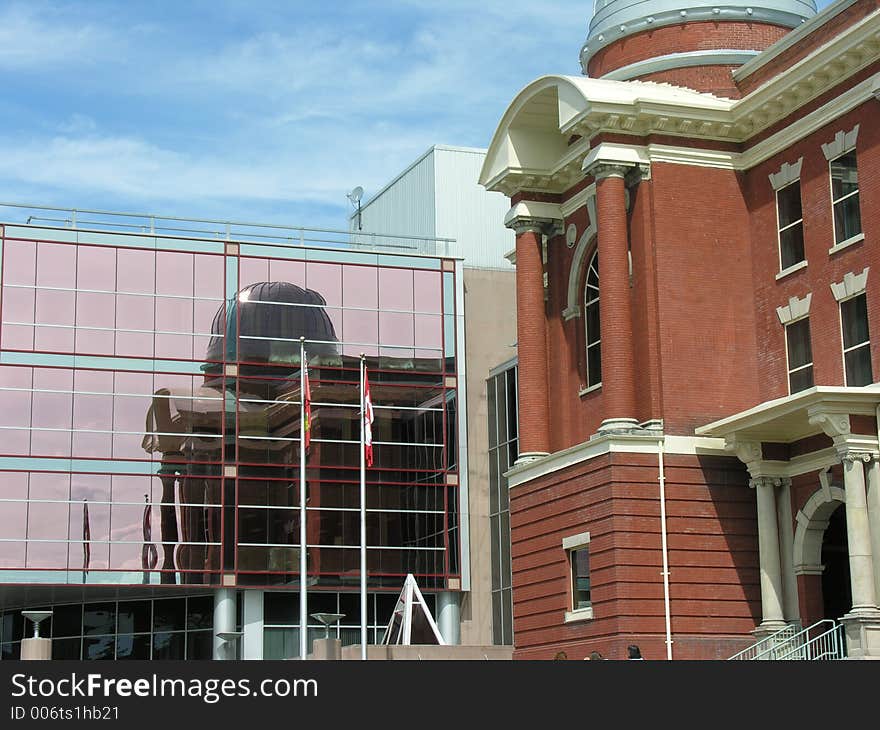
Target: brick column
{"x": 531, "y": 336}
{"x": 615, "y": 312}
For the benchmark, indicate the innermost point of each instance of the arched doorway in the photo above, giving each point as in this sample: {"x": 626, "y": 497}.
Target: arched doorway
{"x": 836, "y": 587}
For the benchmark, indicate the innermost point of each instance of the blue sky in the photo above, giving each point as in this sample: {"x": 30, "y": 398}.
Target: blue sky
{"x": 258, "y": 111}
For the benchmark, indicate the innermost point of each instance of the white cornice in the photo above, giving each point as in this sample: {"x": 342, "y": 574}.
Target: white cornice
{"x": 588, "y": 107}
{"x": 533, "y": 210}
{"x": 578, "y": 200}
{"x": 632, "y": 444}
{"x": 792, "y": 38}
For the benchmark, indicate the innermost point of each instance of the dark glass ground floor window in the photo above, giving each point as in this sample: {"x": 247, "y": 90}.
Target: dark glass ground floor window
{"x": 856, "y": 341}
{"x": 800, "y": 355}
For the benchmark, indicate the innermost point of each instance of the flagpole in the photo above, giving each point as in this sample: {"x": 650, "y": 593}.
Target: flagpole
{"x": 363, "y": 519}
{"x": 303, "y": 563}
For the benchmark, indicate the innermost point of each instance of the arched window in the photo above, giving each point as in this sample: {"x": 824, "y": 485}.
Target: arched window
{"x": 591, "y": 323}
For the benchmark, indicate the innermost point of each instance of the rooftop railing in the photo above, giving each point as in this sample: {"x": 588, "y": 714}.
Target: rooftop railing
{"x": 259, "y": 233}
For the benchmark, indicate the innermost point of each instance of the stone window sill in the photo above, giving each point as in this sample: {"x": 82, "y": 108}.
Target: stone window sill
{"x": 845, "y": 244}
{"x": 580, "y": 614}
{"x": 791, "y": 269}
{"x": 583, "y": 391}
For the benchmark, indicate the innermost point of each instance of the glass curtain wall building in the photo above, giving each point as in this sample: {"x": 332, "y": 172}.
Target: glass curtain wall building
{"x": 150, "y": 419}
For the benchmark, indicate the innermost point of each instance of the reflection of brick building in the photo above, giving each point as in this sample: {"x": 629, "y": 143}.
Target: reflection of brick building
{"x": 698, "y": 451}
{"x": 150, "y": 405}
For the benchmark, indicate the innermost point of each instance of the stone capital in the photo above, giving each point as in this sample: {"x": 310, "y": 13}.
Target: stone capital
{"x": 529, "y": 216}
{"x": 525, "y": 224}
{"x": 850, "y": 453}
{"x": 600, "y": 169}
{"x": 770, "y": 482}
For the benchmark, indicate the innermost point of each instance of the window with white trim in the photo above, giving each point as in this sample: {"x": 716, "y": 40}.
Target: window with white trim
{"x": 577, "y": 555}
{"x": 845, "y": 197}
{"x": 791, "y": 225}
{"x": 800, "y": 355}
{"x": 579, "y": 562}
{"x": 591, "y": 323}
{"x": 856, "y": 341}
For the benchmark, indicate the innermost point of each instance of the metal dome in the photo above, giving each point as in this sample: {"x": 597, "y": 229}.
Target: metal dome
{"x": 616, "y": 19}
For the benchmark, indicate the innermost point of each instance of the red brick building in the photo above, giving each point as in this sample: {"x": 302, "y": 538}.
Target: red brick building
{"x": 698, "y": 427}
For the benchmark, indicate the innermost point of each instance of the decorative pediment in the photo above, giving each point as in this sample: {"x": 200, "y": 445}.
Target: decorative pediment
{"x": 851, "y": 285}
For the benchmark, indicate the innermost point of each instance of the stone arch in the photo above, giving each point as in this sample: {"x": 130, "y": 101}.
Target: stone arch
{"x": 812, "y": 520}
{"x": 579, "y": 262}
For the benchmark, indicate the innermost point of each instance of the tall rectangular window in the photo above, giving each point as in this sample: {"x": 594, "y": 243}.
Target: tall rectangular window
{"x": 580, "y": 578}
{"x": 800, "y": 355}
{"x": 845, "y": 197}
{"x": 791, "y": 225}
{"x": 856, "y": 341}
{"x": 503, "y": 452}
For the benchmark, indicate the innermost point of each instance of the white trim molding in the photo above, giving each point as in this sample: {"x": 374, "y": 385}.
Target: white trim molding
{"x": 812, "y": 520}
{"x": 634, "y": 443}
{"x": 685, "y": 59}
{"x": 572, "y": 542}
{"x": 787, "y": 174}
{"x": 578, "y": 261}
{"x": 795, "y": 309}
{"x": 569, "y": 544}
{"x": 842, "y": 142}
{"x": 851, "y": 285}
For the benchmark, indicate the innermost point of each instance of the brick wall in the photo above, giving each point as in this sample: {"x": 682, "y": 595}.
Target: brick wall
{"x": 693, "y": 36}
{"x": 808, "y": 44}
{"x": 822, "y": 268}
{"x": 712, "y": 552}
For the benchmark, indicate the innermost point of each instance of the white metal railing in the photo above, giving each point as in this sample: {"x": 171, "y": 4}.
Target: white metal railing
{"x": 260, "y": 233}
{"x": 822, "y": 640}
{"x": 767, "y": 643}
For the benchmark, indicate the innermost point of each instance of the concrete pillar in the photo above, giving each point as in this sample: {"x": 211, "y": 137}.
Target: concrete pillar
{"x": 326, "y": 649}
{"x": 36, "y": 648}
{"x": 224, "y": 622}
{"x": 615, "y": 311}
{"x": 790, "y": 605}
{"x": 252, "y": 624}
{"x": 531, "y": 335}
{"x": 768, "y": 549}
{"x": 861, "y": 564}
{"x": 449, "y": 617}
{"x": 873, "y": 503}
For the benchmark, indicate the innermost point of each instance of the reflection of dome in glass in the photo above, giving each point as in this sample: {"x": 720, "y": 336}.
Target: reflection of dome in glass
{"x": 263, "y": 310}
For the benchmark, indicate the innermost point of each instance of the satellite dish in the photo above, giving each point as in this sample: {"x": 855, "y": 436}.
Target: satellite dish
{"x": 355, "y": 195}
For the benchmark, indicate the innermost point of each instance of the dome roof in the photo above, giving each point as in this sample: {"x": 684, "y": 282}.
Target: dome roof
{"x": 616, "y": 19}
{"x": 255, "y": 316}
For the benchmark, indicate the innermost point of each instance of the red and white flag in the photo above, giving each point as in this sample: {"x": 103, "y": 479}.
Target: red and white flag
{"x": 368, "y": 421}
{"x": 307, "y": 410}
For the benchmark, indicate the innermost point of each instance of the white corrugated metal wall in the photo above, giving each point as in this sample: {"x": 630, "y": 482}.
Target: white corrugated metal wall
{"x": 438, "y": 196}
{"x": 468, "y": 212}
{"x": 405, "y": 206}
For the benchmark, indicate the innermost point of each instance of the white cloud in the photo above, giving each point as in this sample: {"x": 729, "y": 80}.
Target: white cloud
{"x": 29, "y": 40}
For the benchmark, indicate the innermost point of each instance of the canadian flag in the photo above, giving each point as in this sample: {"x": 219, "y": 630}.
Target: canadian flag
{"x": 368, "y": 422}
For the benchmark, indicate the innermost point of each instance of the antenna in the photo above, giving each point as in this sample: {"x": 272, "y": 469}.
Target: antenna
{"x": 355, "y": 197}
